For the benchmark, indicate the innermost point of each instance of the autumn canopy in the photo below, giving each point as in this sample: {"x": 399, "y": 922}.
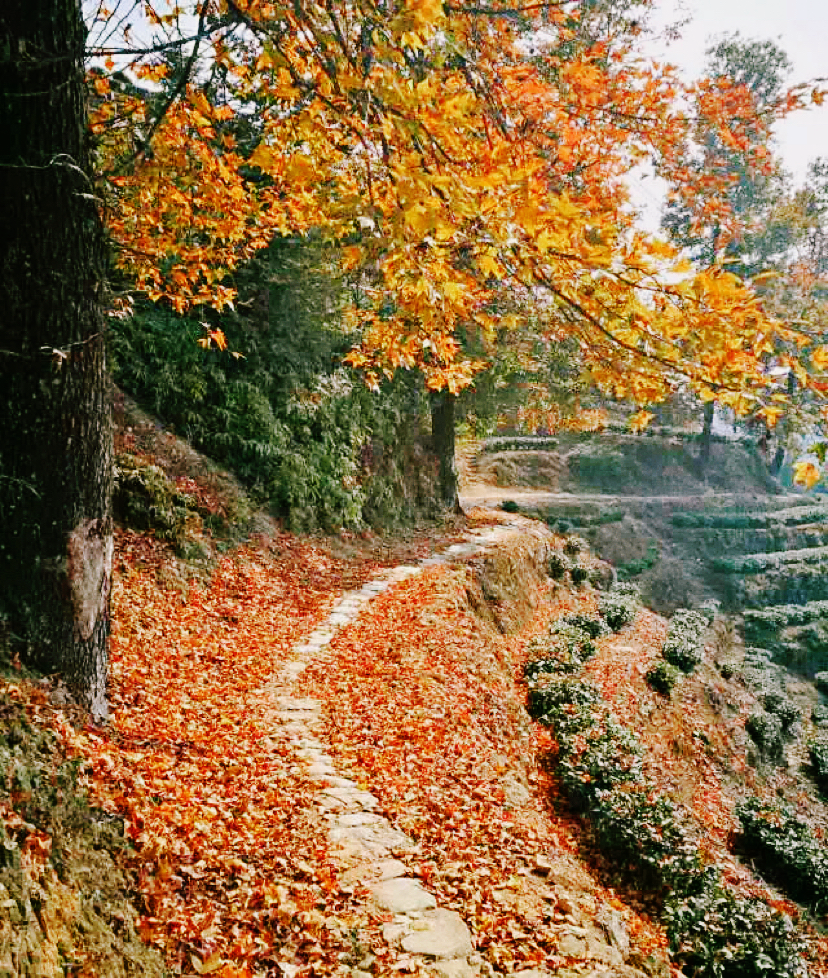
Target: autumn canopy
{"x": 454, "y": 155}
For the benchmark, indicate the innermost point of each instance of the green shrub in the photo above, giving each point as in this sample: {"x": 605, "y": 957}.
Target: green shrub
{"x": 574, "y": 545}
{"x": 778, "y": 702}
{"x": 763, "y": 563}
{"x": 765, "y": 730}
{"x": 821, "y": 682}
{"x": 579, "y": 574}
{"x": 642, "y": 827}
{"x": 594, "y": 627}
{"x": 712, "y": 931}
{"x": 819, "y": 715}
{"x": 518, "y": 443}
{"x": 509, "y": 506}
{"x": 818, "y": 754}
{"x": 558, "y": 565}
{"x": 619, "y": 606}
{"x": 715, "y": 934}
{"x": 144, "y": 498}
{"x": 627, "y": 590}
{"x": 564, "y": 632}
{"x": 786, "y": 852}
{"x": 662, "y": 677}
{"x": 545, "y": 702}
{"x": 683, "y": 647}
{"x": 760, "y": 519}
{"x": 605, "y": 755}
{"x": 304, "y": 436}
{"x": 800, "y": 583}
{"x": 563, "y": 649}
{"x": 633, "y": 568}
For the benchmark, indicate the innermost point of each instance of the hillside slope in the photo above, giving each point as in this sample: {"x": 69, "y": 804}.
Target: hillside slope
{"x": 225, "y": 852}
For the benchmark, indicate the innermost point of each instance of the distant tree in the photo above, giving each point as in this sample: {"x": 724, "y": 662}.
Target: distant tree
{"x": 746, "y": 232}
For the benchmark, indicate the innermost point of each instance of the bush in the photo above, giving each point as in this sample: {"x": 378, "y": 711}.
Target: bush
{"x": 619, "y": 606}
{"x": 712, "y": 932}
{"x": 819, "y": 715}
{"x": 632, "y": 568}
{"x": 574, "y": 545}
{"x": 544, "y": 704}
{"x": 662, "y": 677}
{"x": 818, "y": 754}
{"x": 763, "y": 563}
{"x": 647, "y": 829}
{"x": 144, "y": 498}
{"x": 778, "y": 702}
{"x": 683, "y": 646}
{"x": 716, "y": 934}
{"x": 786, "y": 851}
{"x": 558, "y": 565}
{"x": 765, "y": 730}
{"x": 563, "y": 649}
{"x": 518, "y": 443}
{"x": 821, "y": 682}
{"x": 579, "y": 574}
{"x": 594, "y": 627}
{"x": 564, "y": 632}
{"x": 509, "y": 506}
{"x": 760, "y": 519}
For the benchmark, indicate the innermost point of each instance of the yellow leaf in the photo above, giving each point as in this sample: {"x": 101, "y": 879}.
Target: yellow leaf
{"x": 640, "y": 420}
{"x": 819, "y": 357}
{"x": 806, "y": 474}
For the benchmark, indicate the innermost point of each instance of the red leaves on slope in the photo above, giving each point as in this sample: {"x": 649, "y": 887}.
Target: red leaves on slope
{"x": 424, "y": 709}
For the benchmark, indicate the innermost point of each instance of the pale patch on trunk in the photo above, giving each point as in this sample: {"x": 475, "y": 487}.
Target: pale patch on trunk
{"x": 89, "y": 552}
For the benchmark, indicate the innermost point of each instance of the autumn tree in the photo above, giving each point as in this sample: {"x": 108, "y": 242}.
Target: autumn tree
{"x": 416, "y": 136}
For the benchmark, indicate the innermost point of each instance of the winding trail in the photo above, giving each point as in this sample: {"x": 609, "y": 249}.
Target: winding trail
{"x": 435, "y": 940}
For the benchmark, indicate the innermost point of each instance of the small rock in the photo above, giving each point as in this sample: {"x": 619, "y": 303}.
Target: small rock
{"x": 401, "y": 895}
{"x": 445, "y": 936}
{"x": 599, "y": 950}
{"x": 373, "y": 872}
{"x": 613, "y": 925}
{"x": 455, "y": 968}
{"x": 364, "y": 799}
{"x": 394, "y": 933}
{"x": 566, "y": 902}
{"x": 570, "y": 946}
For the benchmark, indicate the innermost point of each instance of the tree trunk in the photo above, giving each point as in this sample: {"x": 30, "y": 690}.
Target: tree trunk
{"x": 707, "y": 434}
{"x": 55, "y": 412}
{"x": 442, "y": 437}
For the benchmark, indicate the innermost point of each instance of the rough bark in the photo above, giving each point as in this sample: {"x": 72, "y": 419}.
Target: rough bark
{"x": 55, "y": 414}
{"x": 443, "y": 442}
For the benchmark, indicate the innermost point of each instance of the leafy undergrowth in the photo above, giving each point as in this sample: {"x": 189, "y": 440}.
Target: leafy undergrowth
{"x": 695, "y": 749}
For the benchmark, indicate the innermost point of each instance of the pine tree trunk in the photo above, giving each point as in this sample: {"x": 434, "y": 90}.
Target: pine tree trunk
{"x": 55, "y": 414}
{"x": 442, "y": 437}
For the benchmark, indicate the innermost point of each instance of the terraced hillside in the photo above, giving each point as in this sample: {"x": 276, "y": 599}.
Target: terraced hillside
{"x": 760, "y": 551}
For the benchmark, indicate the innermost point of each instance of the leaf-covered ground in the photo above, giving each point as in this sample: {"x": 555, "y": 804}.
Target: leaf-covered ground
{"x": 424, "y": 707}
{"x": 232, "y": 866}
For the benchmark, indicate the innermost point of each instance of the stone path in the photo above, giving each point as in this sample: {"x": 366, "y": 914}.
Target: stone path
{"x": 436, "y": 939}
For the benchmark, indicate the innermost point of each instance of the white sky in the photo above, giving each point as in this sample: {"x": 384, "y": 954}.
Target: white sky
{"x": 799, "y": 27}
